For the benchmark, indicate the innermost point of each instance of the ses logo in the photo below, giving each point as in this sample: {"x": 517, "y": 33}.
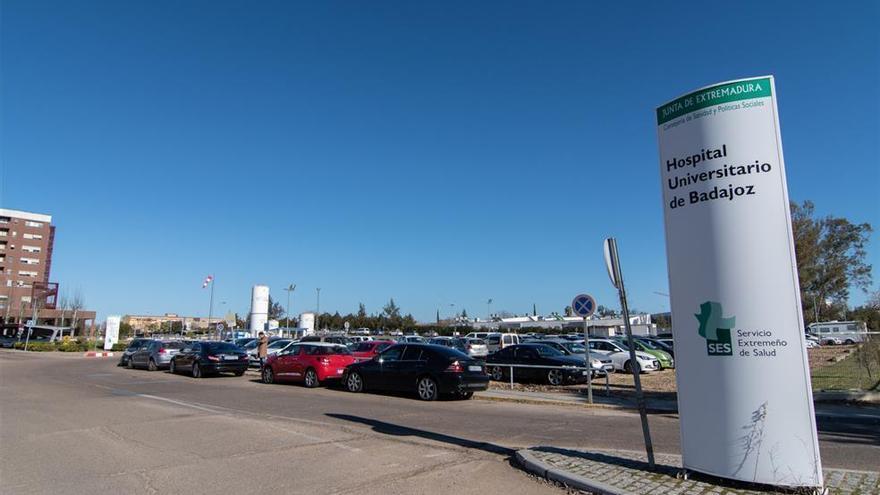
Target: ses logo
{"x": 715, "y": 329}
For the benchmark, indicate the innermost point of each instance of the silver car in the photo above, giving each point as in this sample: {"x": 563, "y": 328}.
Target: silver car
{"x": 155, "y": 354}
{"x": 274, "y": 347}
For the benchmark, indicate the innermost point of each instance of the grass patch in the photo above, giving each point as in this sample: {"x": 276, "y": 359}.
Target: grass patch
{"x": 858, "y": 371}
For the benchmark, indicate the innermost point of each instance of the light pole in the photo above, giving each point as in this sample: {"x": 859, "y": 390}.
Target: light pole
{"x": 211, "y": 305}
{"x": 318, "y": 311}
{"x": 290, "y": 288}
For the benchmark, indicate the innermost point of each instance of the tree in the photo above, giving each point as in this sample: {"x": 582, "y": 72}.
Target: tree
{"x": 663, "y": 320}
{"x": 276, "y": 311}
{"x": 391, "y": 313}
{"x": 77, "y": 302}
{"x": 869, "y": 312}
{"x": 464, "y": 314}
{"x": 391, "y": 310}
{"x": 534, "y": 310}
{"x": 125, "y": 330}
{"x": 604, "y": 311}
{"x": 240, "y": 322}
{"x": 831, "y": 258}
{"x": 567, "y": 311}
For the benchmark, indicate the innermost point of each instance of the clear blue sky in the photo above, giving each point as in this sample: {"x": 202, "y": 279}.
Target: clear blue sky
{"x": 439, "y": 153}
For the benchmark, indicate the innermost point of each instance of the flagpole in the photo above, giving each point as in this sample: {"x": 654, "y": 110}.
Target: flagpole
{"x": 211, "y": 307}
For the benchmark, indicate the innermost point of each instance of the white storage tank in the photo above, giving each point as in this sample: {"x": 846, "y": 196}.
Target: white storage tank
{"x": 307, "y": 322}
{"x": 259, "y": 308}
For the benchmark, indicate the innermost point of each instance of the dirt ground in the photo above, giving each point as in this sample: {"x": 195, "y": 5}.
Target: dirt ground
{"x": 661, "y": 384}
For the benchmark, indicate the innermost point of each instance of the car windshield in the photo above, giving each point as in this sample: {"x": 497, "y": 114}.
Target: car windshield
{"x": 620, "y": 345}
{"x": 476, "y": 341}
{"x": 252, "y": 344}
{"x": 173, "y": 344}
{"x": 575, "y": 348}
{"x": 278, "y": 344}
{"x": 547, "y": 351}
{"x": 221, "y": 347}
{"x": 648, "y": 344}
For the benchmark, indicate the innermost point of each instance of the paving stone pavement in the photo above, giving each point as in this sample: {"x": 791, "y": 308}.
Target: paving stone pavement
{"x": 627, "y": 471}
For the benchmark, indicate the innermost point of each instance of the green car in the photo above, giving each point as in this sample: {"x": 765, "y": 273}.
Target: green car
{"x": 647, "y": 346}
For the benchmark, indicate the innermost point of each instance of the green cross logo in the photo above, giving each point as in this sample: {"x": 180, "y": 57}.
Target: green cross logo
{"x": 715, "y": 329}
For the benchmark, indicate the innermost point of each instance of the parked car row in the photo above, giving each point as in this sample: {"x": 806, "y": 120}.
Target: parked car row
{"x": 442, "y": 365}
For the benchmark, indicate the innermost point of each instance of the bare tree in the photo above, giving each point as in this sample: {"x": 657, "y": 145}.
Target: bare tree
{"x": 62, "y": 304}
{"x": 76, "y": 303}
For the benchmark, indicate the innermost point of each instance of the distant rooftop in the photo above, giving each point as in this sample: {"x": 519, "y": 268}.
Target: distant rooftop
{"x": 26, "y": 215}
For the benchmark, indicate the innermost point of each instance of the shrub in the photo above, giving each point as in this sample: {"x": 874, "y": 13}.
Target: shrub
{"x": 73, "y": 345}
{"x": 36, "y": 346}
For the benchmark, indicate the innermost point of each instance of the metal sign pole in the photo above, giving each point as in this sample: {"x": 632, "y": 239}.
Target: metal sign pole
{"x": 617, "y": 278}
{"x": 589, "y": 361}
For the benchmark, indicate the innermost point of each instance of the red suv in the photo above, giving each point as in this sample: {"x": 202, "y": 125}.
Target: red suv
{"x": 365, "y": 351}
{"x": 310, "y": 363}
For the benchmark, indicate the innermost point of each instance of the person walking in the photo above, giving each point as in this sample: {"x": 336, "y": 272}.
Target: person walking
{"x": 263, "y": 349}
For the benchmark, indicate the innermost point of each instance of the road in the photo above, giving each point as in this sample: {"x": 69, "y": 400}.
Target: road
{"x": 74, "y": 425}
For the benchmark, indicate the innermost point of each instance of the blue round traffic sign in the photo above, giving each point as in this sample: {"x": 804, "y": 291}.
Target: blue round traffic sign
{"x": 583, "y": 305}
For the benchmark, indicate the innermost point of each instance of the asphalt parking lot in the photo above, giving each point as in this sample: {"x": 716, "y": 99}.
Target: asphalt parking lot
{"x": 74, "y": 425}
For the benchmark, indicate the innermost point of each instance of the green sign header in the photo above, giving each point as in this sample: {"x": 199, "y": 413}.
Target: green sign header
{"x": 714, "y": 95}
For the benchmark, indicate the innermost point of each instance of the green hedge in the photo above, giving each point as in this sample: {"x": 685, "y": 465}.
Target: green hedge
{"x": 65, "y": 345}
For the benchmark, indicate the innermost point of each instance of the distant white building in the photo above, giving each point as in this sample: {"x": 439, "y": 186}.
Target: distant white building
{"x": 606, "y": 327}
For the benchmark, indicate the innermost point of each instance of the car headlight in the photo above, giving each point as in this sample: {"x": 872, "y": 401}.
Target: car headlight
{"x": 596, "y": 363}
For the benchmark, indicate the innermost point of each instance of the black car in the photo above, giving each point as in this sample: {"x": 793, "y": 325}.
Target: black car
{"x": 133, "y": 347}
{"x": 660, "y": 344}
{"x": 560, "y": 369}
{"x": 208, "y": 358}
{"x": 429, "y": 370}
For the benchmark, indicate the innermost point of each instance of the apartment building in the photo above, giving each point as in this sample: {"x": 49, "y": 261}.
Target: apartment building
{"x": 26, "y": 241}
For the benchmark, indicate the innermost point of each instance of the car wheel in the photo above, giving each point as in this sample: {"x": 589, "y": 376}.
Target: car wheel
{"x": 555, "y": 377}
{"x": 196, "y": 370}
{"x": 311, "y": 380}
{"x": 172, "y": 368}
{"x": 354, "y": 383}
{"x": 850, "y": 342}
{"x": 268, "y": 375}
{"x": 465, "y": 395}
{"x": 427, "y": 388}
{"x": 628, "y": 367}
{"x": 496, "y": 374}
{"x": 239, "y": 373}
{"x": 151, "y": 366}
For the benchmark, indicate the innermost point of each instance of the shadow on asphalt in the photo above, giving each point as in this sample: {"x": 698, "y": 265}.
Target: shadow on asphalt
{"x": 856, "y": 430}
{"x": 405, "y": 431}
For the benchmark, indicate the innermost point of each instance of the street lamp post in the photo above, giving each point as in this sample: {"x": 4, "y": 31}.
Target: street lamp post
{"x": 290, "y": 288}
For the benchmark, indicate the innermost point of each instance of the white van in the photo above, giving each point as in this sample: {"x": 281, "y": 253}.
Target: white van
{"x": 498, "y": 341}
{"x": 839, "y": 332}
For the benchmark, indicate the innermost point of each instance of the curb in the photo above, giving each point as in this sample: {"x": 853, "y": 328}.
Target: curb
{"x": 534, "y": 466}
{"x": 847, "y": 396}
{"x": 92, "y": 354}
{"x": 597, "y": 405}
